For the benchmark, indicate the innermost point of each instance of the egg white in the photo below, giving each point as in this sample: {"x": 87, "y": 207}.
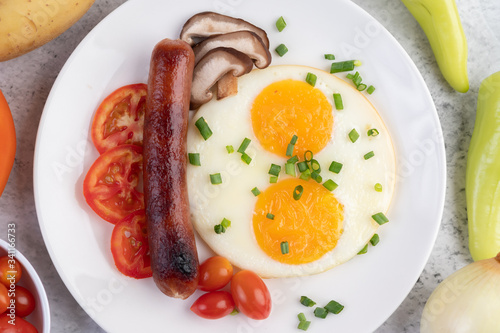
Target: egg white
{"x": 230, "y": 122}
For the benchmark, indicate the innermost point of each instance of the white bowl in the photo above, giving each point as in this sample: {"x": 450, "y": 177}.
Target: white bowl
{"x": 40, "y": 318}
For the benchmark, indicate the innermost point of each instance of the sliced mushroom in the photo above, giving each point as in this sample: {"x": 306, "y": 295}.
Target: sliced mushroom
{"x": 212, "y": 67}
{"x": 206, "y": 24}
{"x": 246, "y": 42}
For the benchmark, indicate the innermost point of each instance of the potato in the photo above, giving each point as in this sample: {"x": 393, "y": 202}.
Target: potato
{"x": 28, "y": 24}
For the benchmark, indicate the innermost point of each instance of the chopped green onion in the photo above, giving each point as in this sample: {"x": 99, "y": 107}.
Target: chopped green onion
{"x": 304, "y": 325}
{"x": 330, "y": 185}
{"x": 353, "y": 135}
{"x": 202, "y": 126}
{"x": 255, "y": 191}
{"x": 334, "y": 307}
{"x": 373, "y": 132}
{"x": 357, "y": 63}
{"x": 339, "y": 105}
{"x": 219, "y": 229}
{"x": 230, "y": 149}
{"x": 284, "y": 247}
{"x": 335, "y": 167}
{"x": 280, "y": 24}
{"x": 245, "y": 158}
{"x": 225, "y": 223}
{"x": 273, "y": 179}
{"x": 301, "y": 316}
{"x": 310, "y": 153}
{"x": 349, "y": 76}
{"x": 378, "y": 187}
{"x": 194, "y": 159}
{"x": 274, "y": 170}
{"x": 320, "y": 312}
{"x": 369, "y": 155}
{"x": 244, "y": 145}
{"x": 293, "y": 141}
{"x": 357, "y": 79}
{"x": 375, "y": 239}
{"x": 311, "y": 79}
{"x": 281, "y": 50}
{"x": 270, "y": 216}
{"x": 302, "y": 166}
{"x": 342, "y": 66}
{"x": 293, "y": 159}
{"x": 290, "y": 169}
{"x": 216, "y": 179}
{"x": 361, "y": 86}
{"x": 297, "y": 192}
{"x": 370, "y": 89}
{"x": 364, "y": 250}
{"x": 306, "y": 175}
{"x": 380, "y": 218}
{"x": 289, "y": 150}
{"x": 316, "y": 176}
{"x": 304, "y": 300}
{"x": 315, "y": 166}
{"x": 329, "y": 56}
{"x": 234, "y": 312}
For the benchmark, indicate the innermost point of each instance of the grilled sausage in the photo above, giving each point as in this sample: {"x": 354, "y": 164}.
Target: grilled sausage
{"x": 174, "y": 259}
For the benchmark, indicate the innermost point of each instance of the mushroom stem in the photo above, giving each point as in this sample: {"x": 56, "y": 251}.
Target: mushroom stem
{"x": 227, "y": 86}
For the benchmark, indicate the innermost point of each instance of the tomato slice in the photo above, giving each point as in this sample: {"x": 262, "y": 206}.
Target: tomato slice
{"x": 130, "y": 246}
{"x": 251, "y": 295}
{"x": 113, "y": 182}
{"x": 119, "y": 119}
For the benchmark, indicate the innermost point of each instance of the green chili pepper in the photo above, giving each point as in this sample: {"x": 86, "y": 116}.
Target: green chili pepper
{"x": 441, "y": 23}
{"x": 482, "y": 182}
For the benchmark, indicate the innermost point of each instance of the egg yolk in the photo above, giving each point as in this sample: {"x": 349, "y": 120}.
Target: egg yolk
{"x": 311, "y": 225}
{"x": 289, "y": 107}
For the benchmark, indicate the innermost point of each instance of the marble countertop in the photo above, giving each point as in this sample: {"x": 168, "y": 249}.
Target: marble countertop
{"x": 26, "y": 82}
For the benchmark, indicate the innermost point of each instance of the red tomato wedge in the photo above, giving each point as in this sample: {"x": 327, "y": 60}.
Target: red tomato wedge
{"x": 112, "y": 185}
{"x": 130, "y": 247}
{"x": 119, "y": 120}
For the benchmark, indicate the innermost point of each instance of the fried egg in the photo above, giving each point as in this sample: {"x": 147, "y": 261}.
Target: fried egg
{"x": 274, "y": 233}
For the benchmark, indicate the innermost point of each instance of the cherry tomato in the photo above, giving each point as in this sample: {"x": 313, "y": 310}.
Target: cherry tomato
{"x": 130, "y": 246}
{"x": 213, "y": 305}
{"x": 251, "y": 295}
{"x": 215, "y": 273}
{"x": 10, "y": 270}
{"x": 111, "y": 186}
{"x": 119, "y": 119}
{"x": 25, "y": 302}
{"x": 4, "y": 298}
{"x": 8, "y": 142}
{"x": 21, "y": 325}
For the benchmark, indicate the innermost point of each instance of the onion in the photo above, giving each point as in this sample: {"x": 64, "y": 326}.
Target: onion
{"x": 466, "y": 301}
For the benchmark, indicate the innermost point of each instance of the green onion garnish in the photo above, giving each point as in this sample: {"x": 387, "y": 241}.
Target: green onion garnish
{"x": 369, "y": 155}
{"x": 339, "y": 105}
{"x": 353, "y": 135}
{"x": 375, "y": 239}
{"x": 301, "y": 316}
{"x": 302, "y": 166}
{"x": 330, "y": 185}
{"x": 230, "y": 149}
{"x": 304, "y": 300}
{"x": 255, "y": 191}
{"x": 225, "y": 223}
{"x": 290, "y": 169}
{"x": 304, "y": 325}
{"x": 270, "y": 216}
{"x": 289, "y": 150}
{"x": 234, "y": 312}
{"x": 315, "y": 166}
{"x": 316, "y": 176}
{"x": 310, "y": 157}
{"x": 221, "y": 228}
{"x": 311, "y": 79}
{"x": 378, "y": 187}
{"x": 244, "y": 145}
{"x": 364, "y": 250}
{"x": 216, "y": 179}
{"x": 194, "y": 159}
{"x": 273, "y": 179}
{"x": 320, "y": 312}
{"x": 357, "y": 63}
{"x": 202, "y": 126}
{"x": 342, "y": 66}
{"x": 329, "y": 56}
{"x": 245, "y": 158}
{"x": 335, "y": 167}
{"x": 274, "y": 170}
{"x": 284, "y": 247}
{"x": 280, "y": 24}
{"x": 370, "y": 89}
{"x": 281, "y": 50}
{"x": 349, "y": 76}
{"x": 293, "y": 141}
{"x": 293, "y": 159}
{"x": 306, "y": 175}
{"x": 297, "y": 192}
{"x": 380, "y": 218}
{"x": 356, "y": 79}
{"x": 334, "y": 307}
{"x": 373, "y": 132}
{"x": 361, "y": 86}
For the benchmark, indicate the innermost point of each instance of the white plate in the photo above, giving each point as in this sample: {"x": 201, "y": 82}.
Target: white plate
{"x": 117, "y": 52}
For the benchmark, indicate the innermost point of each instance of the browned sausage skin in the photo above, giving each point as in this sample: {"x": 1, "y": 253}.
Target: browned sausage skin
{"x": 174, "y": 259}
